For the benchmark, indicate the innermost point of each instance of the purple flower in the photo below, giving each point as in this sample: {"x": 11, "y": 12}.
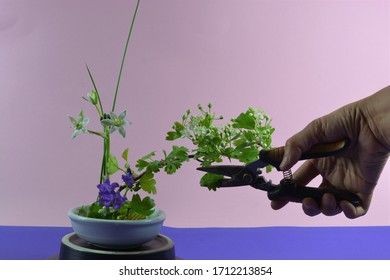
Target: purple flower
{"x": 128, "y": 178}
{"x": 108, "y": 196}
{"x": 106, "y": 187}
{"x": 119, "y": 200}
{"x": 106, "y": 200}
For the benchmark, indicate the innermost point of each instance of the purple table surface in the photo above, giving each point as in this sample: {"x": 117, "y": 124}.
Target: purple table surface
{"x": 261, "y": 243}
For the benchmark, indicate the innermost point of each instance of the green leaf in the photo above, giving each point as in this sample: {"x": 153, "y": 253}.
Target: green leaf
{"x": 245, "y": 120}
{"x": 172, "y": 167}
{"x": 125, "y": 154}
{"x": 112, "y": 165}
{"x": 148, "y": 183}
{"x": 246, "y": 155}
{"x": 149, "y": 156}
{"x": 172, "y": 135}
{"x": 143, "y": 162}
{"x": 211, "y": 181}
{"x": 177, "y": 133}
{"x": 155, "y": 166}
{"x": 95, "y": 211}
{"x": 179, "y": 152}
{"x": 178, "y": 127}
{"x": 208, "y": 120}
{"x": 83, "y": 212}
{"x": 175, "y": 158}
{"x": 144, "y": 207}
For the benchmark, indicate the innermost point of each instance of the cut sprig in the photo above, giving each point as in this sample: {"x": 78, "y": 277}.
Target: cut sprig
{"x": 240, "y": 139}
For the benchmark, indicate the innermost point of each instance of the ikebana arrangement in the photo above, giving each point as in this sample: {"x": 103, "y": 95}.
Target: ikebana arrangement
{"x": 125, "y": 187}
{"x": 240, "y": 139}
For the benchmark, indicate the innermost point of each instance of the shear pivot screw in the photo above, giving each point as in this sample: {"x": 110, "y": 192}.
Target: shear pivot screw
{"x": 247, "y": 179}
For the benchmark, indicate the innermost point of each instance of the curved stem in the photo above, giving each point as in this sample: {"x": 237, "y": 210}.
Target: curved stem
{"x": 193, "y": 156}
{"x": 98, "y": 110}
{"x": 97, "y": 92}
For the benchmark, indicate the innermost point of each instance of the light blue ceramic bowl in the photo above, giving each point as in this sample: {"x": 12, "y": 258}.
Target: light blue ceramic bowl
{"x": 116, "y": 234}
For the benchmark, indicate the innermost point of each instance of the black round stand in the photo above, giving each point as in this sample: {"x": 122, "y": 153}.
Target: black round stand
{"x": 75, "y": 248}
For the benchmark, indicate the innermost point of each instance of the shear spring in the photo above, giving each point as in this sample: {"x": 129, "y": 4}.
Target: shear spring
{"x": 287, "y": 176}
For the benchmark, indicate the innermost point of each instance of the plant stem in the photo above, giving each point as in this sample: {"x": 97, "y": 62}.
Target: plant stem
{"x": 193, "y": 156}
{"x": 97, "y": 92}
{"x": 106, "y": 154}
{"x": 98, "y": 110}
{"x": 124, "y": 55}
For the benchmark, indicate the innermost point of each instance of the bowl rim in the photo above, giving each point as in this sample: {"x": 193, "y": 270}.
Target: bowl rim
{"x": 158, "y": 216}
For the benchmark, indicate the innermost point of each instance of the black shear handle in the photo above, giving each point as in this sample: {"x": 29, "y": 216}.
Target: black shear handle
{"x": 296, "y": 193}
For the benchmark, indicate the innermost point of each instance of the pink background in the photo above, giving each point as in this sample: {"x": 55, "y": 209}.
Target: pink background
{"x": 297, "y": 60}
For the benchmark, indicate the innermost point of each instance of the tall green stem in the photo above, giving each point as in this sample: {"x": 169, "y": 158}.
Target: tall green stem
{"x": 124, "y": 56}
{"x": 106, "y": 155}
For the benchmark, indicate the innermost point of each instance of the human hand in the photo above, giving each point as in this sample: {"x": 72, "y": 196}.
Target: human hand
{"x": 358, "y": 169}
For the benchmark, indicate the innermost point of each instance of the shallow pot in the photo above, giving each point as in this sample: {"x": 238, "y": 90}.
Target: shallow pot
{"x": 116, "y": 234}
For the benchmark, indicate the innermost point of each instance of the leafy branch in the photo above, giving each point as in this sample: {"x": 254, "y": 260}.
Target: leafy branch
{"x": 240, "y": 139}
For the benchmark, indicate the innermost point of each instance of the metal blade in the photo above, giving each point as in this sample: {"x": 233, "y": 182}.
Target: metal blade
{"x": 255, "y": 166}
{"x": 226, "y": 170}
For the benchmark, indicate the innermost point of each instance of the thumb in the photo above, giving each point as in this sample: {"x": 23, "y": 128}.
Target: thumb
{"x": 314, "y": 133}
{"x": 293, "y": 150}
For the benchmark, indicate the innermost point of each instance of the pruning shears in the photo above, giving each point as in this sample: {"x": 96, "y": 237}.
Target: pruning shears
{"x": 287, "y": 189}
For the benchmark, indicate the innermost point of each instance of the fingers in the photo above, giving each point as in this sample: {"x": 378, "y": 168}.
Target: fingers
{"x": 310, "y": 207}
{"x": 305, "y": 174}
{"x": 352, "y": 212}
{"x": 329, "y": 206}
{"x": 278, "y": 204}
{"x": 302, "y": 176}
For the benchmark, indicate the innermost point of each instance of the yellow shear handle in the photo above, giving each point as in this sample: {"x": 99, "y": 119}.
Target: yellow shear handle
{"x": 275, "y": 156}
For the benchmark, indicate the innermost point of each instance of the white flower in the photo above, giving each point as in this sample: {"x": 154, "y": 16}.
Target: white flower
{"x": 79, "y": 124}
{"x": 116, "y": 122}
